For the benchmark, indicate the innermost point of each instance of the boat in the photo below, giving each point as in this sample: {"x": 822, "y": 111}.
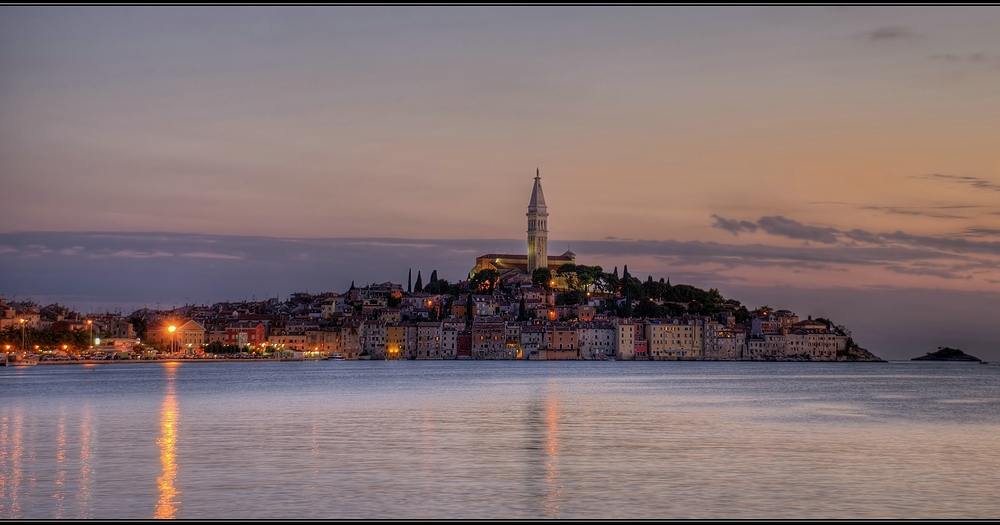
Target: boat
{"x": 21, "y": 359}
{"x": 337, "y": 357}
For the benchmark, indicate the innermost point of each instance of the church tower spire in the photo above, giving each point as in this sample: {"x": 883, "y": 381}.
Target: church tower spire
{"x": 538, "y": 232}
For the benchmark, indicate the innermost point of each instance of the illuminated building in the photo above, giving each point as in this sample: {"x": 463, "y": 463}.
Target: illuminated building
{"x": 508, "y": 264}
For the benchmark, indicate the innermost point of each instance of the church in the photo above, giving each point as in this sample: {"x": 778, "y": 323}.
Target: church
{"x": 514, "y": 267}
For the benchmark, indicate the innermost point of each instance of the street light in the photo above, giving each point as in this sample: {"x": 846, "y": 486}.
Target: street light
{"x": 90, "y": 324}
{"x": 23, "y": 341}
{"x": 173, "y": 338}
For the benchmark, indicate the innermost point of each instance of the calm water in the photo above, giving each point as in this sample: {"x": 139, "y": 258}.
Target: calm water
{"x": 500, "y": 440}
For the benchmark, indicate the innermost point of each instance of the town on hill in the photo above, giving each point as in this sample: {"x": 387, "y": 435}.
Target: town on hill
{"x": 510, "y": 306}
{"x": 578, "y": 312}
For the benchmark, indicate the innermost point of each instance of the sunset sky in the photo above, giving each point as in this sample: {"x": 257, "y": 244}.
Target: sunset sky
{"x": 842, "y": 160}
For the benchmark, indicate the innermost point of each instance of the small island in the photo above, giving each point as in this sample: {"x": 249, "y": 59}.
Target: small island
{"x": 947, "y": 354}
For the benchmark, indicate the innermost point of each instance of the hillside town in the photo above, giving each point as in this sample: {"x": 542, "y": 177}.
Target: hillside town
{"x": 511, "y": 306}
{"x": 386, "y": 321}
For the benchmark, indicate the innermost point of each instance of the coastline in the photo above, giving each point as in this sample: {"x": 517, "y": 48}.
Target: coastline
{"x": 164, "y": 361}
{"x": 300, "y": 359}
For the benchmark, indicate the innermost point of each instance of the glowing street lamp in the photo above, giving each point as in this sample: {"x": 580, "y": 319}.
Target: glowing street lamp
{"x": 173, "y": 338}
{"x": 90, "y": 324}
{"x": 24, "y": 345}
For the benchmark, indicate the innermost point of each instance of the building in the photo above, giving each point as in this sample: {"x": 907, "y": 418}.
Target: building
{"x": 395, "y": 341}
{"x": 373, "y": 339}
{"x": 674, "y": 338}
{"x": 722, "y": 342}
{"x": 489, "y": 341}
{"x": 538, "y": 244}
{"x": 562, "y": 341}
{"x": 596, "y": 340}
{"x": 625, "y": 339}
{"x": 187, "y": 336}
{"x": 428, "y": 341}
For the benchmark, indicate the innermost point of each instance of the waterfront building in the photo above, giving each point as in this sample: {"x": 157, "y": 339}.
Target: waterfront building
{"x": 373, "y": 339}
{"x": 395, "y": 341}
{"x": 325, "y": 340}
{"x": 428, "y": 340}
{"x": 294, "y": 341}
{"x": 596, "y": 340}
{"x": 562, "y": 341}
{"x": 187, "y": 336}
{"x": 242, "y": 333}
{"x": 489, "y": 340}
{"x": 674, "y": 338}
{"x": 722, "y": 342}
{"x": 815, "y": 343}
{"x": 532, "y": 341}
{"x": 351, "y": 335}
{"x": 625, "y": 339}
{"x": 450, "y": 330}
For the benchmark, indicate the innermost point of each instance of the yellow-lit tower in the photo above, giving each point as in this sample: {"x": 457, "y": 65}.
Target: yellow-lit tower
{"x": 538, "y": 232}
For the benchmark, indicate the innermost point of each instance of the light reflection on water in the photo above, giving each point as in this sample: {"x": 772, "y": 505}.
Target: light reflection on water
{"x": 500, "y": 440}
{"x": 166, "y": 507}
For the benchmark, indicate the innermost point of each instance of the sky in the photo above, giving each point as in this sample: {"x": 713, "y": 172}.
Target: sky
{"x": 842, "y": 161}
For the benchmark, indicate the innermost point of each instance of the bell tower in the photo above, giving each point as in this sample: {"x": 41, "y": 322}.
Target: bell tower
{"x": 538, "y": 231}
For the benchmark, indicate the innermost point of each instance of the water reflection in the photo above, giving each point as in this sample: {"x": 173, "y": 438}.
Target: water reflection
{"x": 60, "y": 480}
{"x": 14, "y": 474}
{"x": 553, "y": 488}
{"x": 518, "y": 441}
{"x": 166, "y": 508}
{"x": 5, "y": 477}
{"x": 84, "y": 495}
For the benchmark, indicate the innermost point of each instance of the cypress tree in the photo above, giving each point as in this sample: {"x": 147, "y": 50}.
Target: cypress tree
{"x": 419, "y": 287}
{"x": 468, "y": 307}
{"x": 615, "y": 272}
{"x": 434, "y": 277}
{"x": 522, "y": 311}
{"x": 409, "y": 281}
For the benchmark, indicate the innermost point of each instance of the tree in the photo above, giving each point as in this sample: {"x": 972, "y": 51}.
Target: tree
{"x": 741, "y": 314}
{"x": 485, "y": 280}
{"x": 409, "y": 281}
{"x": 568, "y": 272}
{"x": 139, "y": 325}
{"x": 542, "y": 278}
{"x": 419, "y": 287}
{"x": 610, "y": 282}
{"x": 588, "y": 275}
{"x": 438, "y": 286}
{"x": 522, "y": 311}
{"x": 434, "y": 275}
{"x": 569, "y": 298}
{"x": 469, "y": 306}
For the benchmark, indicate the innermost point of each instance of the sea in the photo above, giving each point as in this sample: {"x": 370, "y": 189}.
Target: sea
{"x": 500, "y": 440}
